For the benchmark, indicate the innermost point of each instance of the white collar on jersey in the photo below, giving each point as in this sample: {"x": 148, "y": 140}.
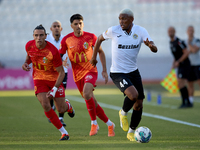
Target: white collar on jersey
{"x": 129, "y": 32}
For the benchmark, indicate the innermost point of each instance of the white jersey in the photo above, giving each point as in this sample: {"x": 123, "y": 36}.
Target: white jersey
{"x": 125, "y": 47}
{"x": 194, "y": 57}
{"x": 51, "y": 39}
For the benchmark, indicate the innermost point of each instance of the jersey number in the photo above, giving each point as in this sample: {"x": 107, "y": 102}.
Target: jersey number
{"x": 122, "y": 84}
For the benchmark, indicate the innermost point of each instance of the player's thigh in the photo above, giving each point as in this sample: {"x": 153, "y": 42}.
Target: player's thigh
{"x": 131, "y": 92}
{"x": 181, "y": 82}
{"x": 44, "y": 101}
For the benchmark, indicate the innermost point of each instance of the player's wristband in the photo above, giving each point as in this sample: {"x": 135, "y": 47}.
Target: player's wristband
{"x": 53, "y": 91}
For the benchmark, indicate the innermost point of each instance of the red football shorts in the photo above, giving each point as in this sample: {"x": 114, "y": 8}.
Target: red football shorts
{"x": 44, "y": 86}
{"x": 90, "y": 77}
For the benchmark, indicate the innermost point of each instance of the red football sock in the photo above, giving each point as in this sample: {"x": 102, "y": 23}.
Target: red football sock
{"x": 51, "y": 115}
{"x": 91, "y": 108}
{"x": 101, "y": 114}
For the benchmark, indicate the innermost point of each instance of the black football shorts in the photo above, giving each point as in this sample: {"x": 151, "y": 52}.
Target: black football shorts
{"x": 124, "y": 80}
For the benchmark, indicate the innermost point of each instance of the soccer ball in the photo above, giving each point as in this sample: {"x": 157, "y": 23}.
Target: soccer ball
{"x": 143, "y": 135}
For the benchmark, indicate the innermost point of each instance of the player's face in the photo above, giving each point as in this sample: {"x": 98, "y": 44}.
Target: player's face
{"x": 77, "y": 26}
{"x": 171, "y": 32}
{"x": 190, "y": 31}
{"x": 39, "y": 37}
{"x": 125, "y": 21}
{"x": 56, "y": 28}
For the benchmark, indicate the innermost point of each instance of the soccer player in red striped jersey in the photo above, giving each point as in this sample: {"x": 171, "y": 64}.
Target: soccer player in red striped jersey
{"x": 79, "y": 46}
{"x": 48, "y": 74}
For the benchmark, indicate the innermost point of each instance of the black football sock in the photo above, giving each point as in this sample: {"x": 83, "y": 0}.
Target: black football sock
{"x": 128, "y": 104}
{"x": 51, "y": 102}
{"x": 184, "y": 95}
{"x": 61, "y": 115}
{"x": 135, "y": 118}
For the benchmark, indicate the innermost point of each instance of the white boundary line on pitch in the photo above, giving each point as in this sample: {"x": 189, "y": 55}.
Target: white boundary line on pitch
{"x": 81, "y": 100}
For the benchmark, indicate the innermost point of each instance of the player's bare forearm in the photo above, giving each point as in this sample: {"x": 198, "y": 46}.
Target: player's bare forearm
{"x": 151, "y": 45}
{"x": 61, "y": 76}
{"x": 26, "y": 66}
{"x": 94, "y": 61}
{"x": 102, "y": 59}
{"x": 103, "y": 62}
{"x": 153, "y": 48}
{"x": 184, "y": 56}
{"x": 193, "y": 48}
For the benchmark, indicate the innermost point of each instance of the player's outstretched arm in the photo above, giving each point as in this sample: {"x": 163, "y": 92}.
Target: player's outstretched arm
{"x": 93, "y": 60}
{"x": 151, "y": 45}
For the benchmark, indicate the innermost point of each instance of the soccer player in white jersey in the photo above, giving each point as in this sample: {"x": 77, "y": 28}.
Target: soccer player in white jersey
{"x": 193, "y": 46}
{"x": 55, "y": 38}
{"x": 126, "y": 42}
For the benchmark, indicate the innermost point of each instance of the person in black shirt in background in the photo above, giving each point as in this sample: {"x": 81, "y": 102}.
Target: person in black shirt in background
{"x": 181, "y": 61}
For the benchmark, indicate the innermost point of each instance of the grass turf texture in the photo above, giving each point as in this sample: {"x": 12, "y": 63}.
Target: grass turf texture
{"x": 24, "y": 126}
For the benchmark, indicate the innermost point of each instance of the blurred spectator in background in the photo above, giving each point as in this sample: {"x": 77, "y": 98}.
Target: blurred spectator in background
{"x": 55, "y": 38}
{"x": 182, "y": 63}
{"x": 193, "y": 46}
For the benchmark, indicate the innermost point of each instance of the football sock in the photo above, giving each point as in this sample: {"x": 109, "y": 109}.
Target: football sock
{"x": 135, "y": 119}
{"x": 128, "y": 104}
{"x": 124, "y": 113}
{"x": 191, "y": 99}
{"x": 61, "y": 115}
{"x": 91, "y": 108}
{"x": 101, "y": 114}
{"x": 131, "y": 130}
{"x": 51, "y": 115}
{"x": 184, "y": 95}
{"x": 60, "y": 118}
{"x": 51, "y": 102}
{"x": 109, "y": 123}
{"x": 94, "y": 122}
{"x": 63, "y": 130}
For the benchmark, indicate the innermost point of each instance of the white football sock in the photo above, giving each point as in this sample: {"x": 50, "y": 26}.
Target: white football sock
{"x": 94, "y": 122}
{"x": 191, "y": 99}
{"x": 131, "y": 130}
{"x": 60, "y": 118}
{"x": 63, "y": 130}
{"x": 109, "y": 123}
{"x": 123, "y": 113}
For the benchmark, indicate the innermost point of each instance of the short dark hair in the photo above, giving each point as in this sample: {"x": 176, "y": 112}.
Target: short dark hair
{"x": 40, "y": 27}
{"x": 76, "y": 17}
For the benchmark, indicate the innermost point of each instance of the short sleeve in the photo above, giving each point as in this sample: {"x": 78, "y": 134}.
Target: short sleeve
{"x": 107, "y": 34}
{"x": 145, "y": 35}
{"x": 63, "y": 46}
{"x": 57, "y": 61}
{"x": 198, "y": 43}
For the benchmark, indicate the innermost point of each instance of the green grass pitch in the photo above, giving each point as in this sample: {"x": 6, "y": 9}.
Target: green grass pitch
{"x": 23, "y": 125}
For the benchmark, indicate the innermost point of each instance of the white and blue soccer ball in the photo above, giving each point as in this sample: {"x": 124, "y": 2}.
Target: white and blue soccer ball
{"x": 143, "y": 134}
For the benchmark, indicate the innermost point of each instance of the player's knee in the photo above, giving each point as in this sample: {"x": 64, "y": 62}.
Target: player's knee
{"x": 133, "y": 96}
{"x": 61, "y": 110}
{"x": 46, "y": 106}
{"x": 87, "y": 95}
